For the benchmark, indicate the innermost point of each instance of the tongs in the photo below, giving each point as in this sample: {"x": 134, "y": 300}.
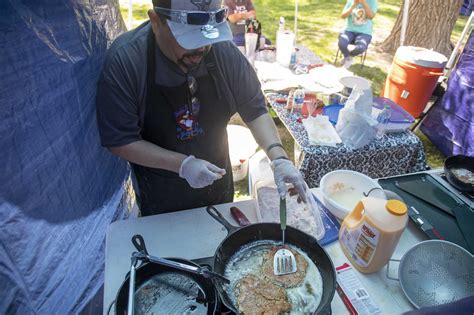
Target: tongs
{"x": 143, "y": 255}
{"x": 284, "y": 261}
{"x": 183, "y": 267}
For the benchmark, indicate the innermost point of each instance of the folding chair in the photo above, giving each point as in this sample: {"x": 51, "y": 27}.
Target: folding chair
{"x": 351, "y": 46}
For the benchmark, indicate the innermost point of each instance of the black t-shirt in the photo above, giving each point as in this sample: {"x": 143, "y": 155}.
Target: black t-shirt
{"x": 121, "y": 90}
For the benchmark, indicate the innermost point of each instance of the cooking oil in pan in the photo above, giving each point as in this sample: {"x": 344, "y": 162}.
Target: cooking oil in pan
{"x": 304, "y": 298}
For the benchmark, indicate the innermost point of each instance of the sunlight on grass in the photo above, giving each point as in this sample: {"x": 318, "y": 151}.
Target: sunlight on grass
{"x": 373, "y": 74}
{"x": 241, "y": 189}
{"x": 139, "y": 13}
{"x": 434, "y": 158}
{"x": 458, "y": 28}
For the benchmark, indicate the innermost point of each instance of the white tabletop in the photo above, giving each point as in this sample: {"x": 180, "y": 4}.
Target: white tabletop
{"x": 195, "y": 234}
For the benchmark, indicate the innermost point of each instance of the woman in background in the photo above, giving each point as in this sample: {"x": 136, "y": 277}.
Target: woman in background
{"x": 358, "y": 30}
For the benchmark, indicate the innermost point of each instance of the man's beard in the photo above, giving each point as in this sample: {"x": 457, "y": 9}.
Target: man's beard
{"x": 196, "y": 53}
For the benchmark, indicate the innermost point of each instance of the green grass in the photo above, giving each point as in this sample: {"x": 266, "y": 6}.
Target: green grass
{"x": 139, "y": 13}
{"x": 374, "y": 74}
{"x": 241, "y": 189}
{"x": 434, "y": 158}
{"x": 460, "y": 23}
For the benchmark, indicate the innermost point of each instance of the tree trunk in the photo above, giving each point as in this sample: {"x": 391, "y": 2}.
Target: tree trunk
{"x": 430, "y": 23}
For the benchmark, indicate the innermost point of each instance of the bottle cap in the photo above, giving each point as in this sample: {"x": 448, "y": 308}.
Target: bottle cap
{"x": 396, "y": 207}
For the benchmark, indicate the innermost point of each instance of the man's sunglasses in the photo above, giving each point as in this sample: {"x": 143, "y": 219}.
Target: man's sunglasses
{"x": 195, "y": 17}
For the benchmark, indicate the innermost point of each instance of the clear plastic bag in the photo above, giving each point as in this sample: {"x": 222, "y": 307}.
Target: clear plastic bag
{"x": 355, "y": 124}
{"x": 355, "y": 129}
{"x": 304, "y": 216}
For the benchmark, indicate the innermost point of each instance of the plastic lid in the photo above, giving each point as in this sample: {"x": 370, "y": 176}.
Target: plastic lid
{"x": 421, "y": 56}
{"x": 332, "y": 111}
{"x": 399, "y": 115}
{"x": 396, "y": 207}
{"x": 305, "y": 216}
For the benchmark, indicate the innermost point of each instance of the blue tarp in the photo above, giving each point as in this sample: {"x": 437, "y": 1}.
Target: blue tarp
{"x": 467, "y": 7}
{"x": 450, "y": 124}
{"x": 59, "y": 188}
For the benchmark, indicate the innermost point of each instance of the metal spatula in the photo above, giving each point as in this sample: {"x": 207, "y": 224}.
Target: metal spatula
{"x": 284, "y": 261}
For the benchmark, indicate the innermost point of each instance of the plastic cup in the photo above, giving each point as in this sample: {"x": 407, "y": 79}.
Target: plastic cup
{"x": 310, "y": 106}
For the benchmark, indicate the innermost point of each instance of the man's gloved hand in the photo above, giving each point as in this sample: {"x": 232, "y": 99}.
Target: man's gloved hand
{"x": 285, "y": 172}
{"x": 199, "y": 173}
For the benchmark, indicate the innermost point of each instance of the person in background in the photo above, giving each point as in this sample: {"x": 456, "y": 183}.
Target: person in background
{"x": 164, "y": 98}
{"x": 239, "y": 12}
{"x": 358, "y": 30}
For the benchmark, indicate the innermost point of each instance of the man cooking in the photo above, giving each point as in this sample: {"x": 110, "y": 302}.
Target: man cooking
{"x": 166, "y": 93}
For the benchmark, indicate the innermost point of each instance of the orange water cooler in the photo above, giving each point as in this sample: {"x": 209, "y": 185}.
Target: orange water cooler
{"x": 413, "y": 77}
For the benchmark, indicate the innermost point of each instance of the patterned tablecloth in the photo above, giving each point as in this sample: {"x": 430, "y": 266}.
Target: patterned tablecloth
{"x": 394, "y": 154}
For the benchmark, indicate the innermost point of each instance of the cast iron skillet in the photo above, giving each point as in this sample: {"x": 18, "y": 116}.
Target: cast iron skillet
{"x": 147, "y": 270}
{"x": 238, "y": 237}
{"x": 459, "y": 161}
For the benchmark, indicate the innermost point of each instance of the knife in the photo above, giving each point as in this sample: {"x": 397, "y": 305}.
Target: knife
{"x": 424, "y": 225}
{"x": 239, "y": 216}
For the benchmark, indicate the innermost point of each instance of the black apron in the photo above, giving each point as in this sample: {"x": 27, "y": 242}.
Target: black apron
{"x": 162, "y": 191}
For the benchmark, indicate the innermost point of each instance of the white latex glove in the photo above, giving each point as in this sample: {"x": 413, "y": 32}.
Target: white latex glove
{"x": 199, "y": 173}
{"x": 285, "y": 172}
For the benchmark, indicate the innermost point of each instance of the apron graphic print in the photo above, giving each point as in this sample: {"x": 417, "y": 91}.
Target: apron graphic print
{"x": 188, "y": 126}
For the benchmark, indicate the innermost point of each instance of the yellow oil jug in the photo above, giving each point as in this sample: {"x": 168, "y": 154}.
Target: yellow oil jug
{"x": 370, "y": 233}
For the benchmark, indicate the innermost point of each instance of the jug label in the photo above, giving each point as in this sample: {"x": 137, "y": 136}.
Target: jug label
{"x": 361, "y": 242}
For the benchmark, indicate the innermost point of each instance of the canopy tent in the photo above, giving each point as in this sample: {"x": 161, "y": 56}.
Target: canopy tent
{"x": 450, "y": 123}
{"x": 59, "y": 188}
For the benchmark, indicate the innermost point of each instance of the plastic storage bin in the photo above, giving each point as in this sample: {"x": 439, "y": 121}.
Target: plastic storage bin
{"x": 302, "y": 216}
{"x": 400, "y": 120}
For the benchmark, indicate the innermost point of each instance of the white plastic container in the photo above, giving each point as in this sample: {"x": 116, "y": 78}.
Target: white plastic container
{"x": 240, "y": 170}
{"x": 400, "y": 120}
{"x": 369, "y": 234}
{"x": 241, "y": 147}
{"x": 302, "y": 216}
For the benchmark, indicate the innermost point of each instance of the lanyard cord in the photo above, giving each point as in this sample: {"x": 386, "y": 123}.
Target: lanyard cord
{"x": 189, "y": 96}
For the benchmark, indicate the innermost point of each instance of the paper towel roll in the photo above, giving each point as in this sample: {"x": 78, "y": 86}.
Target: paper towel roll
{"x": 285, "y": 40}
{"x": 250, "y": 46}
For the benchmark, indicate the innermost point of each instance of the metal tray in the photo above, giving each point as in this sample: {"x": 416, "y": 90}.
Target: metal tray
{"x": 445, "y": 223}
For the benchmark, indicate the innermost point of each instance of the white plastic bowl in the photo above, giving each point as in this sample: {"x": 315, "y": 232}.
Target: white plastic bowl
{"x": 352, "y": 81}
{"x": 342, "y": 190}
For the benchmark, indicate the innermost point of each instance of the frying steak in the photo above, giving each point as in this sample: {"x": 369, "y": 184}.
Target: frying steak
{"x": 257, "y": 296}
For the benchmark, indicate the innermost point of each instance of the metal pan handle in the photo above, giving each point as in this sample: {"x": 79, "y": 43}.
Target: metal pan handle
{"x": 139, "y": 243}
{"x": 213, "y": 212}
{"x": 185, "y": 267}
{"x": 110, "y": 307}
